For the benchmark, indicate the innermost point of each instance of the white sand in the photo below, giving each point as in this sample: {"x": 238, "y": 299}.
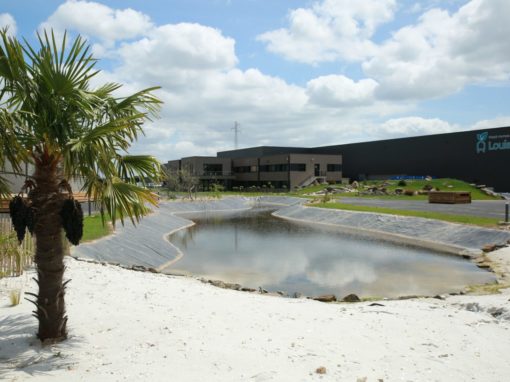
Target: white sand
{"x": 133, "y": 326}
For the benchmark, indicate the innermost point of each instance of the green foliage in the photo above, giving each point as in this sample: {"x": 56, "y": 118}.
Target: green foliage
{"x": 217, "y": 187}
{"x": 402, "y": 183}
{"x": 94, "y": 228}
{"x": 49, "y": 110}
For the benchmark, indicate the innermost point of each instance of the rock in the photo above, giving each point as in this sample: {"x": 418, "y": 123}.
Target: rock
{"x": 409, "y": 192}
{"x": 351, "y": 298}
{"x": 428, "y": 187}
{"x": 364, "y": 379}
{"x": 262, "y": 290}
{"x": 281, "y": 293}
{"x": 139, "y": 268}
{"x": 325, "y": 298}
{"x": 321, "y": 370}
{"x": 399, "y": 191}
{"x": 375, "y": 304}
{"x": 248, "y": 290}
{"x": 217, "y": 283}
{"x": 489, "y": 247}
{"x": 438, "y": 297}
{"x": 355, "y": 184}
{"x": 232, "y": 286}
{"x": 297, "y": 295}
{"x": 153, "y": 270}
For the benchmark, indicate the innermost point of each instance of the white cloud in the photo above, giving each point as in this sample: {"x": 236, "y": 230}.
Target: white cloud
{"x": 338, "y": 90}
{"x": 7, "y": 21}
{"x": 444, "y": 52}
{"x": 413, "y": 126}
{"x": 330, "y": 30}
{"x": 205, "y": 91}
{"x": 175, "y": 54}
{"x": 97, "y": 20}
{"x": 491, "y": 123}
{"x": 438, "y": 55}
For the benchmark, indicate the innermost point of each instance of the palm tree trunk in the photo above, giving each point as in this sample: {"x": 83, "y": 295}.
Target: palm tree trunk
{"x": 49, "y": 256}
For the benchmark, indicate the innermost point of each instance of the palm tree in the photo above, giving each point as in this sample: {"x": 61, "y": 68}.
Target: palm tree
{"x": 52, "y": 118}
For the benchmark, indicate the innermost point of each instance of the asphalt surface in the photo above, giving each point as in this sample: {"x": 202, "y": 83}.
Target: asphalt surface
{"x": 482, "y": 208}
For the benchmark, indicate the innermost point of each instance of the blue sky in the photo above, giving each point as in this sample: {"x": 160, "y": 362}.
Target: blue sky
{"x": 295, "y": 72}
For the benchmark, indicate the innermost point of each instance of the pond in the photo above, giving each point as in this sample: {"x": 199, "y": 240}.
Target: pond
{"x": 255, "y": 249}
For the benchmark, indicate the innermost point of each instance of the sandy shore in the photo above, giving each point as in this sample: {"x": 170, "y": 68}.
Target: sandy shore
{"x": 134, "y": 326}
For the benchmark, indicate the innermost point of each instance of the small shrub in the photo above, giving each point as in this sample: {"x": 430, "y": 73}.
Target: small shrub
{"x": 402, "y": 183}
{"x": 217, "y": 187}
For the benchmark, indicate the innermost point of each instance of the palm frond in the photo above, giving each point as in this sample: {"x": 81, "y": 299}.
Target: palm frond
{"x": 48, "y": 106}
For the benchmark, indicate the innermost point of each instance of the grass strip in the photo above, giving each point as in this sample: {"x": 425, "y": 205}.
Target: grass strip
{"x": 94, "y": 229}
{"x": 462, "y": 219}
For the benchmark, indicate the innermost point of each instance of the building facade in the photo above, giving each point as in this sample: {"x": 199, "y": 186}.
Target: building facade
{"x": 282, "y": 171}
{"x": 475, "y": 156}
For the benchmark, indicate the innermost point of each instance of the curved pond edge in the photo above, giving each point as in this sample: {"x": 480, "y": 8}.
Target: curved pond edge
{"x": 440, "y": 236}
{"x": 147, "y": 247}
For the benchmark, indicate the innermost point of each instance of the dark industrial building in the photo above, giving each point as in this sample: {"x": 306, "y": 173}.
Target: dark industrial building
{"x": 476, "y": 156}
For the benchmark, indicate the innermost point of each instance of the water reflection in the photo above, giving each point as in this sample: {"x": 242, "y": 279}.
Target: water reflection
{"x": 255, "y": 249}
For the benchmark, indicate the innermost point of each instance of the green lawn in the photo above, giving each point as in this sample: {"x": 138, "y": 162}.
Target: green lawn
{"x": 462, "y": 219}
{"x": 94, "y": 229}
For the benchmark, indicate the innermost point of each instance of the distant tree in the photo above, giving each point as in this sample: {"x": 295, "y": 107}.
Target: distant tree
{"x": 181, "y": 180}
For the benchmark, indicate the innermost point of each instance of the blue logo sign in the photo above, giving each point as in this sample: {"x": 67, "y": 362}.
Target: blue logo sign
{"x": 486, "y": 143}
{"x": 481, "y": 142}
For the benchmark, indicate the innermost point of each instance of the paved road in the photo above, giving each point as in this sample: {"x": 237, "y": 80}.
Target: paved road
{"x": 484, "y": 208}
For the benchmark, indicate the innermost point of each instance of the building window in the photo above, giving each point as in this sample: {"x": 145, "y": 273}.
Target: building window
{"x": 274, "y": 168}
{"x": 298, "y": 167}
{"x": 242, "y": 169}
{"x": 213, "y": 169}
{"x": 334, "y": 167}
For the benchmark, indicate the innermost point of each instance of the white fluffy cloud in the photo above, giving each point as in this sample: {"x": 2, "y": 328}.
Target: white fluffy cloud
{"x": 204, "y": 90}
{"x": 7, "y": 21}
{"x": 444, "y": 52}
{"x": 97, "y": 20}
{"x": 438, "y": 55}
{"x": 412, "y": 126}
{"x": 338, "y": 91}
{"x": 175, "y": 54}
{"x": 489, "y": 123}
{"x": 330, "y": 30}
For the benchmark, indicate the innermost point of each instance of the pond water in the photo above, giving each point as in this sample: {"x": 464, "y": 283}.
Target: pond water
{"x": 255, "y": 249}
